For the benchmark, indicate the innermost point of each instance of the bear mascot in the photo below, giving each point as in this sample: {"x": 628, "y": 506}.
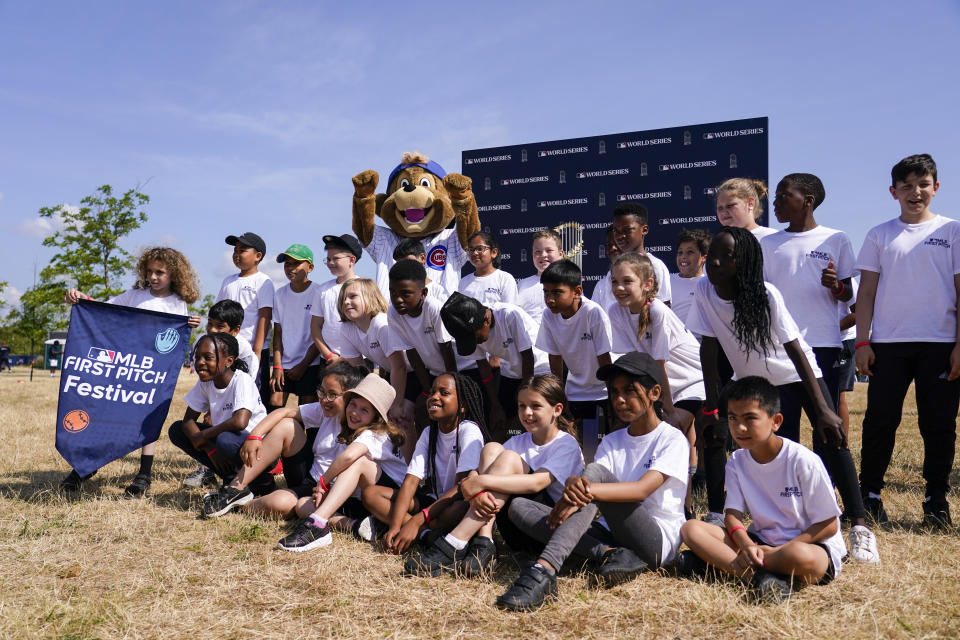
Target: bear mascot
{"x": 424, "y": 202}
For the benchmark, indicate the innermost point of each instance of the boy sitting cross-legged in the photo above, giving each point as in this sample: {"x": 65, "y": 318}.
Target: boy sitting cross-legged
{"x": 786, "y": 490}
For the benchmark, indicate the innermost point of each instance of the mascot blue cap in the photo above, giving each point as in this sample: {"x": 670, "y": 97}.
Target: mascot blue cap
{"x": 430, "y": 166}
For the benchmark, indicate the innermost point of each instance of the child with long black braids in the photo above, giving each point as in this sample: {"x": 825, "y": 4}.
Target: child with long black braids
{"x": 230, "y": 395}
{"x": 736, "y": 310}
{"x": 446, "y": 452}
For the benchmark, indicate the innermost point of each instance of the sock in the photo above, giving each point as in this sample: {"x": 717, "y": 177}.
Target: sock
{"x": 549, "y": 571}
{"x": 424, "y": 533}
{"x": 871, "y": 494}
{"x": 459, "y": 545}
{"x": 317, "y": 520}
{"x": 146, "y": 464}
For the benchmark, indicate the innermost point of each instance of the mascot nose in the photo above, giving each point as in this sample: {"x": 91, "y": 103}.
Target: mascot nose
{"x": 409, "y": 187}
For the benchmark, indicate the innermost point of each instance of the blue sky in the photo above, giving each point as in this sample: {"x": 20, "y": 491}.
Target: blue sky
{"x": 240, "y": 116}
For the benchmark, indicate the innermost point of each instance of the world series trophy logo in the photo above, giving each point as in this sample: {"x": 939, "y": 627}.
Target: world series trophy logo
{"x": 602, "y": 199}
{"x": 602, "y": 147}
{"x": 643, "y": 168}
{"x": 733, "y": 161}
{"x": 523, "y": 205}
{"x": 571, "y": 241}
{"x": 563, "y": 176}
{"x": 687, "y": 192}
{"x": 486, "y": 184}
{"x": 686, "y": 138}
{"x": 523, "y": 155}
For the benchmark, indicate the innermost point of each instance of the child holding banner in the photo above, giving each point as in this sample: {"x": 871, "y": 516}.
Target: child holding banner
{"x": 166, "y": 282}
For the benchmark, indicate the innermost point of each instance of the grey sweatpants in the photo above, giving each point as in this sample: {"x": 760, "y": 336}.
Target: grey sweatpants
{"x": 630, "y": 526}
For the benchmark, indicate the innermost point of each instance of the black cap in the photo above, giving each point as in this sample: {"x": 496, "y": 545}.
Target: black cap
{"x": 633, "y": 363}
{"x": 346, "y": 241}
{"x": 249, "y": 239}
{"x": 462, "y": 316}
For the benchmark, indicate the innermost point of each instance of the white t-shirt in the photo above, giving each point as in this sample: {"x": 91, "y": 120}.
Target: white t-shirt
{"x": 325, "y": 446}
{"x": 579, "y": 339}
{"x": 381, "y": 450}
{"x": 376, "y": 343}
{"x": 530, "y": 297}
{"x": 682, "y": 291}
{"x": 762, "y": 232}
{"x": 425, "y": 333}
{"x": 793, "y": 262}
{"x": 325, "y": 306}
{"x": 603, "y": 291}
{"x": 445, "y": 257}
{"x": 916, "y": 299}
{"x": 785, "y": 496}
{"x": 292, "y": 311}
{"x": 512, "y": 333}
{"x": 561, "y": 457}
{"x": 664, "y": 339}
{"x": 843, "y": 310}
{"x": 712, "y": 316}
{"x": 248, "y": 356}
{"x": 467, "y": 440}
{"x": 240, "y": 393}
{"x": 499, "y": 286}
{"x": 253, "y": 292}
{"x": 143, "y": 299}
{"x": 666, "y": 450}
{"x": 436, "y": 290}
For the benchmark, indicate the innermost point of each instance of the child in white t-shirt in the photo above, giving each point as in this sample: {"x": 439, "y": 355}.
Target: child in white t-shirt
{"x": 535, "y": 462}
{"x": 229, "y": 395}
{"x": 907, "y": 332}
{"x": 412, "y": 249}
{"x": 342, "y": 253}
{"x": 251, "y": 288}
{"x": 740, "y": 204}
{"x": 575, "y": 333}
{"x": 794, "y": 536}
{"x": 637, "y": 483}
{"x": 692, "y": 248}
{"x": 737, "y": 310}
{"x": 165, "y": 282}
{"x": 305, "y": 439}
{"x": 502, "y": 331}
{"x": 488, "y": 283}
{"x": 630, "y": 228}
{"x": 547, "y": 248}
{"x": 226, "y": 316}
{"x": 296, "y": 359}
{"x": 371, "y": 456}
{"x": 602, "y": 292}
{"x": 447, "y": 450}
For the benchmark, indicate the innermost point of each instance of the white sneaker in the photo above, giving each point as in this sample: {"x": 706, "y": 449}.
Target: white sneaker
{"x": 714, "y": 518}
{"x": 863, "y": 545}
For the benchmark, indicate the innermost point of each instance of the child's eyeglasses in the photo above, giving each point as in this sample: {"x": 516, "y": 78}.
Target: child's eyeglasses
{"x": 329, "y": 397}
{"x": 480, "y": 248}
{"x": 331, "y": 260}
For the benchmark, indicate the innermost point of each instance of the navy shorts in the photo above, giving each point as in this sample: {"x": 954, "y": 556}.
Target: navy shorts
{"x": 830, "y": 573}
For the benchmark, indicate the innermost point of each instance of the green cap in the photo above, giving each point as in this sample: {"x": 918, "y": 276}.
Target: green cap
{"x": 299, "y": 252}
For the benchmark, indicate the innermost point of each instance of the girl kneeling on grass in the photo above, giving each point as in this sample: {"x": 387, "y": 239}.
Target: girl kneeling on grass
{"x": 372, "y": 456}
{"x": 532, "y": 463}
{"x": 305, "y": 437}
{"x": 446, "y": 452}
{"x": 637, "y": 482}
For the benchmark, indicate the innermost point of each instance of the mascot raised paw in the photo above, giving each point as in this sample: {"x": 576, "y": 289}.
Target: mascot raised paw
{"x": 422, "y": 201}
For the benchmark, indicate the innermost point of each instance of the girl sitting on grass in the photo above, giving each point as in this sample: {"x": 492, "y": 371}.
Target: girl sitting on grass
{"x": 372, "y": 456}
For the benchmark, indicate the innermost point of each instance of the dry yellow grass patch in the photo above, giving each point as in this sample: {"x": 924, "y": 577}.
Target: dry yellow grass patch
{"x": 107, "y": 567}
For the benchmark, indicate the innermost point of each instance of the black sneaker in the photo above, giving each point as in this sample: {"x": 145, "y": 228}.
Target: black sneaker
{"x": 73, "y": 482}
{"x": 687, "y": 564}
{"x": 875, "y": 510}
{"x": 139, "y": 486}
{"x": 306, "y": 536}
{"x": 530, "y": 590}
{"x": 936, "y": 514}
{"x": 479, "y": 558}
{"x": 224, "y": 500}
{"x": 438, "y": 559}
{"x": 770, "y": 588}
{"x": 619, "y": 565}
{"x": 368, "y": 529}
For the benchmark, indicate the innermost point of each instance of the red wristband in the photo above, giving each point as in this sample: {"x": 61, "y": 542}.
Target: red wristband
{"x": 323, "y": 484}
{"x": 425, "y": 394}
{"x": 710, "y": 413}
{"x": 486, "y": 380}
{"x": 861, "y": 344}
{"x": 478, "y": 493}
{"x": 426, "y": 516}
{"x": 251, "y": 437}
{"x": 736, "y": 528}
{"x": 837, "y": 294}
{"x": 210, "y": 453}
{"x": 276, "y": 367}
{"x": 329, "y": 355}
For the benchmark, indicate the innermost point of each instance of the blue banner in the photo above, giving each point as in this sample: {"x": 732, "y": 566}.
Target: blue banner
{"x": 120, "y": 368}
{"x": 674, "y": 172}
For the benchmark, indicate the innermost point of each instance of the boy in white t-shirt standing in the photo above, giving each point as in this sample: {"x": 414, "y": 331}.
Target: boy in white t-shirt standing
{"x": 795, "y": 531}
{"x": 342, "y": 253}
{"x": 629, "y": 230}
{"x": 907, "y": 332}
{"x": 547, "y": 248}
{"x": 602, "y": 292}
{"x": 251, "y": 288}
{"x": 692, "y": 246}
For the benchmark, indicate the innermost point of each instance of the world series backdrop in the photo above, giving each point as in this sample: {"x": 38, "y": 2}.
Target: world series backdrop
{"x": 673, "y": 172}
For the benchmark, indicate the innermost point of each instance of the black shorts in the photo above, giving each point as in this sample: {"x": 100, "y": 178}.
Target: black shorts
{"x": 848, "y": 366}
{"x": 693, "y": 406}
{"x": 830, "y": 573}
{"x": 585, "y": 409}
{"x": 414, "y": 388}
{"x": 306, "y": 385}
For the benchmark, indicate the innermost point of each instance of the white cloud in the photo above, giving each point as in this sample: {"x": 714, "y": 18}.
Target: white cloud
{"x": 42, "y": 227}
{"x": 10, "y": 299}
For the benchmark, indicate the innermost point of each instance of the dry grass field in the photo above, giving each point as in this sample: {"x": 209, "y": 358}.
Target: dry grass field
{"x": 106, "y": 567}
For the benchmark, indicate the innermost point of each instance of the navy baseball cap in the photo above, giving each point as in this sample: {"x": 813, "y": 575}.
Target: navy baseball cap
{"x": 249, "y": 239}
{"x": 462, "y": 316}
{"x": 634, "y": 363}
{"x": 346, "y": 241}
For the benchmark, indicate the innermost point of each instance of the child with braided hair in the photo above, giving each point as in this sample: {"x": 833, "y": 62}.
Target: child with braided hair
{"x": 446, "y": 452}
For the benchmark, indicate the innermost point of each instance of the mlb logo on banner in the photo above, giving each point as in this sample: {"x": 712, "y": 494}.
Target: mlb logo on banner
{"x": 120, "y": 368}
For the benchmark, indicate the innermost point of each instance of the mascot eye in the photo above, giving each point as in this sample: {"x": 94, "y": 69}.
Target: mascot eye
{"x": 424, "y": 182}
{"x": 404, "y": 182}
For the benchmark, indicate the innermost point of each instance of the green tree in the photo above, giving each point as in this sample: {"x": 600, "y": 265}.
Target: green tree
{"x": 87, "y": 244}
{"x": 40, "y": 312}
{"x": 200, "y": 308}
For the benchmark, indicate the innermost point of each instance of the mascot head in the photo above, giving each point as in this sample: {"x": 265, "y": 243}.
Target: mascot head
{"x": 417, "y": 202}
